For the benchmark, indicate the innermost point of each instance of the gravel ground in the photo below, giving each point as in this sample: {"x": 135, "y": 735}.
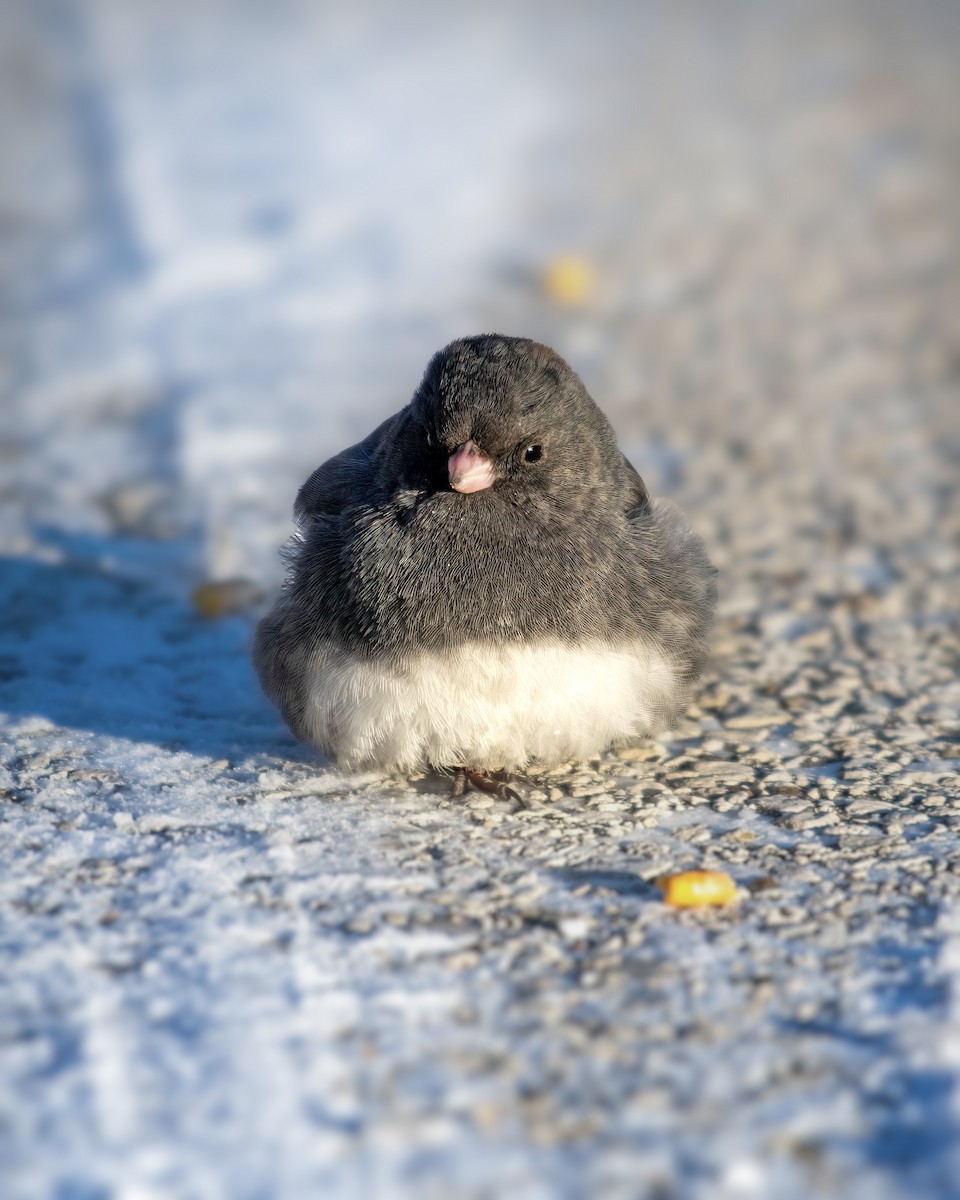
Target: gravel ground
{"x": 230, "y": 239}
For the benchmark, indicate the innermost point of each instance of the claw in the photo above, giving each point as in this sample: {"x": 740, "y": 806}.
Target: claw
{"x": 494, "y": 783}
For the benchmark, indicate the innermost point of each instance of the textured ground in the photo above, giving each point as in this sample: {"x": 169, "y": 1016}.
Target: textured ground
{"x": 230, "y": 238}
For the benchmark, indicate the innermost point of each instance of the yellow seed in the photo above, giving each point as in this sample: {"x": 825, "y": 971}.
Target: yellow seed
{"x": 691, "y": 889}
{"x": 569, "y": 280}
{"x": 224, "y": 597}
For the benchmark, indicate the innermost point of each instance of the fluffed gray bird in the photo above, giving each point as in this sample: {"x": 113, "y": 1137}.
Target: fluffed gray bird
{"x": 484, "y": 584}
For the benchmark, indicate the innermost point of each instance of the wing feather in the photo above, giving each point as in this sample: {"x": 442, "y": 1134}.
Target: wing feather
{"x": 343, "y": 480}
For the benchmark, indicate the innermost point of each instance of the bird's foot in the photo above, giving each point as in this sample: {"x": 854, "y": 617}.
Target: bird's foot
{"x": 494, "y": 783}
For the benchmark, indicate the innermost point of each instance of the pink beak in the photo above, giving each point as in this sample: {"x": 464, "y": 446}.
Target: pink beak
{"x": 470, "y": 469}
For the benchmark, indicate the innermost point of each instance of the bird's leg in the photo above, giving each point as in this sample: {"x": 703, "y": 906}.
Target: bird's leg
{"x": 494, "y": 783}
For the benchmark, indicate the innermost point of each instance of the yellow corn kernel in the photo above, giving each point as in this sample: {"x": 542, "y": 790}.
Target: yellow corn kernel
{"x": 570, "y": 280}
{"x": 691, "y": 889}
{"x": 220, "y": 599}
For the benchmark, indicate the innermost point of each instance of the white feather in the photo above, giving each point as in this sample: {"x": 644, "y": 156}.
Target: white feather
{"x": 486, "y": 707}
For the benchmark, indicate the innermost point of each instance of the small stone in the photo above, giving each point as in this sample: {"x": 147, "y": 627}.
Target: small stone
{"x": 867, "y": 804}
{"x": 811, "y": 820}
{"x": 756, "y": 720}
{"x": 641, "y": 753}
{"x": 784, "y": 804}
{"x": 574, "y": 929}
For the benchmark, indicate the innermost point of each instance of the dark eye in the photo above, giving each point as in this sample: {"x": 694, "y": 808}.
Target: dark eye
{"x": 533, "y": 454}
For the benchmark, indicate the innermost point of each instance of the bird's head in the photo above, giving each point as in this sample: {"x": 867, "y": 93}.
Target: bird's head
{"x": 508, "y": 416}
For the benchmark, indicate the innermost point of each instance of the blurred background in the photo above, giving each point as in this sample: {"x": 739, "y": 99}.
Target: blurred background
{"x": 232, "y": 234}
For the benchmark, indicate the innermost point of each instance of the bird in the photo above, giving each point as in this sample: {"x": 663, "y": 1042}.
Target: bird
{"x": 483, "y": 586}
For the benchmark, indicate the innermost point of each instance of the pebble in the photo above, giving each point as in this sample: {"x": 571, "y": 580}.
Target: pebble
{"x": 868, "y": 805}
{"x": 785, "y": 804}
{"x": 754, "y": 720}
{"x": 641, "y": 753}
{"x": 811, "y": 820}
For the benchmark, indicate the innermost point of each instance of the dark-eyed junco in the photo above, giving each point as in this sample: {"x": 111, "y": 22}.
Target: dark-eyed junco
{"x": 483, "y": 583}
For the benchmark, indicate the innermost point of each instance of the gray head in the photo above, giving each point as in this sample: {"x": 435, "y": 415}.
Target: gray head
{"x": 509, "y": 415}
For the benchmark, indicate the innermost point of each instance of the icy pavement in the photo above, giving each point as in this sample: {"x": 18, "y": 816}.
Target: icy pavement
{"x": 231, "y": 236}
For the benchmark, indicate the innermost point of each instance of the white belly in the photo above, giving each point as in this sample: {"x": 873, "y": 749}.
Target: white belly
{"x": 485, "y": 707}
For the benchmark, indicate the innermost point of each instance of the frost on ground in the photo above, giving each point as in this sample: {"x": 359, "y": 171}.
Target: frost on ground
{"x": 231, "y": 236}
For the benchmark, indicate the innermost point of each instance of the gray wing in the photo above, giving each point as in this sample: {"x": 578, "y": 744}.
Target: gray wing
{"x": 638, "y": 498}
{"x": 284, "y": 636}
{"x": 343, "y": 480}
